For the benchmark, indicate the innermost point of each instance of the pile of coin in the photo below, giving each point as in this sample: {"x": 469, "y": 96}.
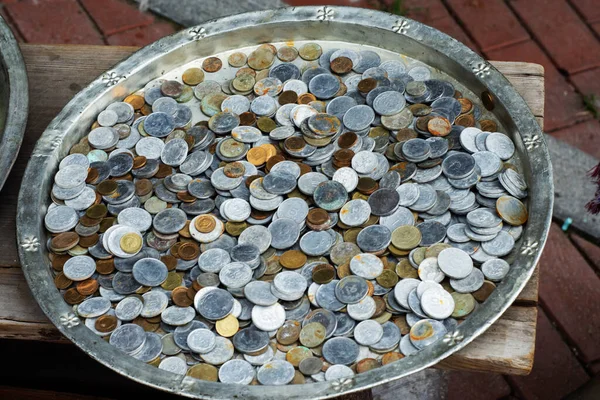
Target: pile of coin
{"x": 285, "y": 216}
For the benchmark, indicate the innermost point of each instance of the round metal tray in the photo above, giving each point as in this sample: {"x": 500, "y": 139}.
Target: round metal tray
{"x": 14, "y": 100}
{"x": 322, "y": 24}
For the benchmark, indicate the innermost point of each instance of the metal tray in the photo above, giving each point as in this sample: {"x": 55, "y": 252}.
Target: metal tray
{"x": 14, "y": 100}
{"x": 324, "y": 24}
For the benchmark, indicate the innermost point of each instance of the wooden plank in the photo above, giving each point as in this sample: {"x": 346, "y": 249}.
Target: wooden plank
{"x": 507, "y": 347}
{"x": 52, "y": 85}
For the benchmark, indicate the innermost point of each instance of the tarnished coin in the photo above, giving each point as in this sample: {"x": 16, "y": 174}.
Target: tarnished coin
{"x": 426, "y": 332}
{"x": 275, "y": 372}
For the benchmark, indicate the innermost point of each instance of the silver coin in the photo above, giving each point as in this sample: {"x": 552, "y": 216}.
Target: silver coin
{"x": 279, "y": 182}
{"x": 483, "y": 218}
{"x": 426, "y": 200}
{"x": 155, "y": 302}
{"x": 316, "y": 243}
{"x": 250, "y": 340}
{"x": 458, "y": 165}
{"x": 469, "y": 284}
{"x": 201, "y": 340}
{"x": 367, "y": 266}
{"x": 129, "y": 308}
{"x": 431, "y": 232}
{"x": 159, "y": 124}
{"x": 236, "y": 104}
{"x": 74, "y": 159}
{"x": 260, "y": 359}
{"x": 83, "y": 200}
{"x": 455, "y": 263}
{"x": 93, "y": 307}
{"x": 355, "y": 212}
{"x": 236, "y": 371}
{"x": 362, "y": 310}
{"x": 336, "y": 372}
{"x": 212, "y": 260}
{"x": 150, "y": 272}
{"x": 268, "y": 318}
{"x": 327, "y": 299}
{"x": 79, "y": 268}
{"x": 389, "y": 340}
{"x": 426, "y": 332}
{"x": 284, "y": 232}
{"x": 456, "y": 233}
{"x": 128, "y": 338}
{"x": 174, "y": 153}
{"x": 259, "y": 293}
{"x": 374, "y": 238}
{"x": 406, "y": 346}
{"x": 169, "y": 221}
{"x": 437, "y": 303}
{"x": 403, "y": 289}
{"x": 351, "y": 289}
{"x": 256, "y": 235}
{"x": 70, "y": 176}
{"x": 495, "y": 269}
{"x": 489, "y": 163}
{"x": 221, "y": 353}
{"x": 500, "y": 246}
{"x": 426, "y": 285}
{"x": 177, "y": 316}
{"x": 389, "y": 103}
{"x": 276, "y": 373}
{"x": 409, "y": 194}
{"x": 500, "y": 144}
{"x": 213, "y": 304}
{"x": 368, "y": 332}
{"x": 103, "y": 138}
{"x": 235, "y": 275}
{"x": 429, "y": 270}
{"x": 151, "y": 349}
{"x": 359, "y": 117}
{"x": 340, "y": 350}
{"x": 149, "y": 147}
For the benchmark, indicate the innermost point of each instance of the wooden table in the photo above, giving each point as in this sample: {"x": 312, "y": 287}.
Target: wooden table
{"x": 57, "y": 73}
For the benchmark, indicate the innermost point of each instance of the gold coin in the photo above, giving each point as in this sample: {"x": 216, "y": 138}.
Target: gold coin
{"x": 297, "y": 354}
{"x": 205, "y": 372}
{"x": 366, "y": 364}
{"x": 237, "y": 59}
{"x": 406, "y": 237}
{"x": 205, "y": 223}
{"x": 387, "y": 278}
{"x": 235, "y": 228}
{"x": 293, "y": 259}
{"x": 228, "y": 326}
{"x": 192, "y": 76}
{"x": 310, "y": 51}
{"x": 269, "y": 148}
{"x": 464, "y": 304}
{"x": 397, "y": 252}
{"x": 107, "y": 187}
{"x": 435, "y": 250}
{"x": 323, "y": 274}
{"x": 405, "y": 270}
{"x": 391, "y": 357}
{"x": 131, "y": 243}
{"x": 400, "y": 322}
{"x": 173, "y": 280}
{"x": 257, "y": 156}
{"x": 136, "y": 101}
{"x": 484, "y": 291}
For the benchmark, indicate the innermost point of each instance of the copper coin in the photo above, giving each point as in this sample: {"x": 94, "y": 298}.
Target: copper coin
{"x": 245, "y": 71}
{"x": 317, "y": 216}
{"x": 61, "y": 281}
{"x": 439, "y": 126}
{"x": 347, "y": 140}
{"x": 306, "y": 98}
{"x": 366, "y": 85}
{"x": 256, "y": 156}
{"x": 484, "y": 291}
{"x": 293, "y": 259}
{"x": 265, "y": 124}
{"x": 186, "y": 197}
{"x": 247, "y": 118}
{"x": 107, "y": 187}
{"x": 143, "y": 187}
{"x": 212, "y": 64}
{"x": 171, "y": 88}
{"x": 419, "y": 110}
{"x": 92, "y": 175}
{"x": 391, "y": 357}
{"x": 64, "y": 241}
{"x": 174, "y": 250}
{"x": 180, "y": 297}
{"x": 289, "y": 332}
{"x": 274, "y": 160}
{"x": 105, "y": 267}
{"x": 466, "y": 120}
{"x": 406, "y": 134}
{"x": 59, "y": 260}
{"x": 366, "y": 364}
{"x": 387, "y": 278}
{"x": 192, "y": 76}
{"x": 294, "y": 143}
{"x": 287, "y": 97}
{"x": 72, "y": 296}
{"x": 106, "y": 223}
{"x": 97, "y": 211}
{"x": 87, "y": 287}
{"x": 367, "y": 185}
{"x": 169, "y": 261}
{"x": 106, "y": 323}
{"x": 136, "y": 101}
{"x": 89, "y": 241}
{"x": 466, "y": 105}
{"x": 188, "y": 251}
{"x": 323, "y": 274}
{"x": 488, "y": 100}
{"x": 488, "y": 125}
{"x": 234, "y": 170}
{"x": 341, "y": 65}
{"x": 163, "y": 171}
{"x": 422, "y": 123}
{"x": 205, "y": 223}
{"x": 139, "y": 162}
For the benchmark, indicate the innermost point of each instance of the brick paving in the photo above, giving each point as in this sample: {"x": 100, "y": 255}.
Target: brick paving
{"x": 562, "y": 35}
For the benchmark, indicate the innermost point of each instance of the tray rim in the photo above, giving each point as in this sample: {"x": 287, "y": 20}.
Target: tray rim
{"x": 45, "y": 157}
{"x": 18, "y": 100}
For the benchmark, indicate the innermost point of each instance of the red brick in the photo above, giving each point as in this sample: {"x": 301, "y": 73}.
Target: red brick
{"x": 490, "y": 22}
{"x": 596, "y": 27}
{"x": 450, "y": 27}
{"x": 585, "y": 136}
{"x": 563, "y": 106}
{"x": 556, "y": 371}
{"x": 141, "y": 36}
{"x": 590, "y": 250}
{"x": 561, "y": 32}
{"x": 464, "y": 385}
{"x": 588, "y": 8}
{"x": 587, "y": 82}
{"x": 113, "y": 16}
{"x": 425, "y": 11}
{"x": 53, "y": 22}
{"x": 570, "y": 292}
{"x": 12, "y": 27}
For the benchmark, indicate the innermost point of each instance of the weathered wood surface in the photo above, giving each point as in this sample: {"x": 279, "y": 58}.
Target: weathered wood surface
{"x": 56, "y": 73}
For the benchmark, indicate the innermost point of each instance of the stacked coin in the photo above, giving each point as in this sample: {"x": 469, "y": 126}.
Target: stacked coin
{"x": 287, "y": 216}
